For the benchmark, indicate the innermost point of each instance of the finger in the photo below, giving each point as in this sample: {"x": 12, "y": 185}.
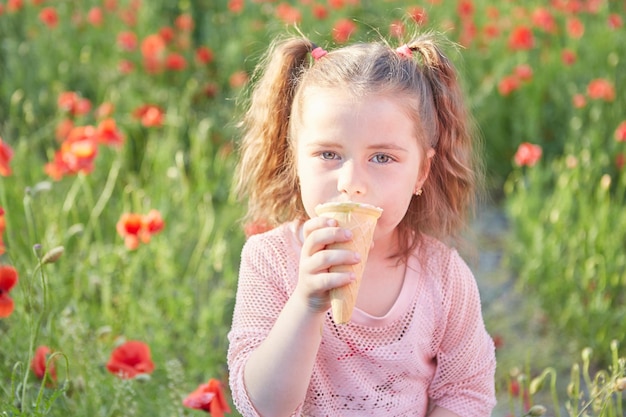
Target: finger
{"x": 325, "y": 259}
{"x": 317, "y": 223}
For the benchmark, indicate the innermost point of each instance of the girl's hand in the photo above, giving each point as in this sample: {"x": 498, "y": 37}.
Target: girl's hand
{"x": 315, "y": 281}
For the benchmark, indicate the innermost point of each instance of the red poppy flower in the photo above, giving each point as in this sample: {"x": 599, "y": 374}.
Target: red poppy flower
{"x": 524, "y": 72}
{"x": 615, "y": 21}
{"x": 127, "y": 41}
{"x": 167, "y": 33}
{"x": 130, "y": 359}
{"x": 343, "y": 29}
{"x": 150, "y": 115}
{"x": 175, "y": 62}
{"x": 579, "y": 101}
{"x": 38, "y": 364}
{"x": 95, "y": 16}
{"x": 153, "y": 50}
{"x": 129, "y": 227}
{"x": 153, "y": 222}
{"x": 109, "y": 134}
{"x": 601, "y": 89}
{"x": 184, "y": 22}
{"x": 320, "y": 11}
{"x": 465, "y": 8}
{"x": 14, "y": 5}
{"x": 238, "y": 79}
{"x": 527, "y": 154}
{"x": 397, "y": 29}
{"x": 575, "y": 28}
{"x": 521, "y": 39}
{"x": 568, "y": 57}
{"x": 204, "y": 55}
{"x": 49, "y": 16}
{"x": 508, "y": 84}
{"x": 8, "y": 279}
{"x": 419, "y": 15}
{"x": 620, "y": 132}
{"x": 288, "y": 13}
{"x": 6, "y": 154}
{"x": 2, "y": 228}
{"x": 544, "y": 20}
{"x": 236, "y": 6}
{"x": 208, "y": 397}
{"x": 105, "y": 110}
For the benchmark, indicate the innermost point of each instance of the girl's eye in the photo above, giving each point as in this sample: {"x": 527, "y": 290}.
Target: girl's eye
{"x": 382, "y": 158}
{"x": 328, "y": 155}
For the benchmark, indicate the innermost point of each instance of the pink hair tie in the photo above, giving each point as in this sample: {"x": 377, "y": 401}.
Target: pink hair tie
{"x": 318, "y": 53}
{"x": 405, "y": 51}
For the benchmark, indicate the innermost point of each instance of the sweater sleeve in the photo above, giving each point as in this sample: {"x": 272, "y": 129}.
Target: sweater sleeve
{"x": 262, "y": 291}
{"x": 464, "y": 379}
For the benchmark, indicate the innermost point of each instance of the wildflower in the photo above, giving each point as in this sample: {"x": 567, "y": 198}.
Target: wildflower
{"x": 601, "y": 89}
{"x": 527, "y": 154}
{"x": 396, "y": 29}
{"x": 236, "y": 6}
{"x": 8, "y": 279}
{"x": 524, "y": 72}
{"x": 53, "y": 255}
{"x": 568, "y": 57}
{"x": 615, "y": 21}
{"x": 135, "y": 228}
{"x": 543, "y": 19}
{"x": 320, "y": 11}
{"x": 238, "y": 79}
{"x": 575, "y": 28}
{"x": 129, "y": 227}
{"x": 343, "y": 29}
{"x": 419, "y": 15}
{"x": 620, "y": 132}
{"x": 127, "y": 41}
{"x": 184, "y": 22}
{"x": 175, "y": 62}
{"x": 95, "y": 16}
{"x": 71, "y": 102}
{"x": 6, "y": 154}
{"x": 508, "y": 84}
{"x": 204, "y": 55}
{"x": 208, "y": 397}
{"x": 39, "y": 362}
{"x": 153, "y": 222}
{"x": 105, "y": 110}
{"x": 2, "y": 228}
{"x": 153, "y": 51}
{"x": 108, "y": 133}
{"x": 150, "y": 115}
{"x": 521, "y": 39}
{"x": 49, "y": 16}
{"x": 620, "y": 384}
{"x": 167, "y": 34}
{"x": 579, "y": 101}
{"x": 465, "y": 9}
{"x": 14, "y": 5}
{"x": 288, "y": 14}
{"x": 130, "y": 359}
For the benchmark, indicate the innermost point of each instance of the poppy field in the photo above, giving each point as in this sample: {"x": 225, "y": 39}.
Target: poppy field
{"x": 120, "y": 235}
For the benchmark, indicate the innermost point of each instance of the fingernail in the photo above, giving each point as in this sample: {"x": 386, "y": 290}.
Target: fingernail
{"x": 348, "y": 233}
{"x": 357, "y": 256}
{"x": 331, "y": 222}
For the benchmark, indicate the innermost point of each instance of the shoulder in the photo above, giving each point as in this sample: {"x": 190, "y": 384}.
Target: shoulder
{"x": 272, "y": 245}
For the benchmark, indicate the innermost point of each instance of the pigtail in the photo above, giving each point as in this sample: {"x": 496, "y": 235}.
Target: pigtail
{"x": 455, "y": 170}
{"x": 266, "y": 173}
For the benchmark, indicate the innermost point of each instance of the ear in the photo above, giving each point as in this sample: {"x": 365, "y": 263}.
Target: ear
{"x": 425, "y": 168}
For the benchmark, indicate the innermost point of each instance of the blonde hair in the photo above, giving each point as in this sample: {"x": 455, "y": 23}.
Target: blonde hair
{"x": 425, "y": 84}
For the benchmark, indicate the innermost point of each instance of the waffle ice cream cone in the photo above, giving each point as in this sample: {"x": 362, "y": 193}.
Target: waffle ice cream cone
{"x": 361, "y": 220}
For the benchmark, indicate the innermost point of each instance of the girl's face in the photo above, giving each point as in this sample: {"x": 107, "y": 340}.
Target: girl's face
{"x": 359, "y": 150}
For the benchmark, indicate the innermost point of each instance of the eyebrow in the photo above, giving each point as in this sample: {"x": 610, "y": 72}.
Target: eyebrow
{"x": 331, "y": 144}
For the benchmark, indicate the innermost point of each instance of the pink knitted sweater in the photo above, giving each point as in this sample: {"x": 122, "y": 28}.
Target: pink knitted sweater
{"x": 431, "y": 348}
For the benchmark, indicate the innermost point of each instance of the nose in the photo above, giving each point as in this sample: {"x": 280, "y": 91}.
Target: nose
{"x": 351, "y": 179}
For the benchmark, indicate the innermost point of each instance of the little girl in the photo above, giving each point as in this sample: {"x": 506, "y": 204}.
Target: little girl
{"x": 377, "y": 125}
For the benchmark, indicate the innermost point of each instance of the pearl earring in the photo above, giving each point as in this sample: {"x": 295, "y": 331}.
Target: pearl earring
{"x": 418, "y": 192}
